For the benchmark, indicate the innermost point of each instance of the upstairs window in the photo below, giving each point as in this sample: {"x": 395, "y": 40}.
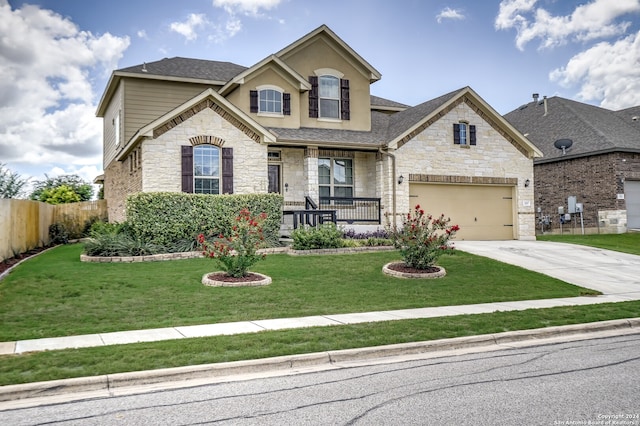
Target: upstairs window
{"x": 270, "y": 100}
{"x": 464, "y": 134}
{"x": 329, "y": 91}
{"x": 329, "y": 96}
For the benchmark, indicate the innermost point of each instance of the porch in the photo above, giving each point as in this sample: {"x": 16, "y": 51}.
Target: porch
{"x": 349, "y": 210}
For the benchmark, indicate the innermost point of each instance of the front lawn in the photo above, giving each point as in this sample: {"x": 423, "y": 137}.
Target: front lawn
{"x": 627, "y": 243}
{"x": 54, "y": 294}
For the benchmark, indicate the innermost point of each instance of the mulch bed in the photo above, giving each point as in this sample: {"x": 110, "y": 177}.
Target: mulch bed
{"x": 401, "y": 267}
{"x": 10, "y": 262}
{"x": 222, "y": 276}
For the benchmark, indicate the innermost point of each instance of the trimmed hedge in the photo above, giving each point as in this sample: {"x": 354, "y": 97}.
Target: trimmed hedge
{"x": 165, "y": 218}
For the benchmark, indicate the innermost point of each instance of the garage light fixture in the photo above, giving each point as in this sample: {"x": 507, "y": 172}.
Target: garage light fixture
{"x": 527, "y": 183}
{"x": 400, "y": 179}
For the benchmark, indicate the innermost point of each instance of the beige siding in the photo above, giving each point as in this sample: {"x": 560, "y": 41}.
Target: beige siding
{"x": 320, "y": 54}
{"x": 146, "y": 100}
{"x": 109, "y": 126}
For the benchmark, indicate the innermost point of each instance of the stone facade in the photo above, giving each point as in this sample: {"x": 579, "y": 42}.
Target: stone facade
{"x": 492, "y": 159}
{"x": 161, "y": 159}
{"x": 595, "y": 181}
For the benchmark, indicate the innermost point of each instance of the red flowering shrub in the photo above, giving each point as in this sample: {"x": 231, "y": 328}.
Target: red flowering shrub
{"x": 237, "y": 252}
{"x": 423, "y": 238}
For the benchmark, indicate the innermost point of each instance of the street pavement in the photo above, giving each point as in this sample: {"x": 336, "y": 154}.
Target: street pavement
{"x": 616, "y": 275}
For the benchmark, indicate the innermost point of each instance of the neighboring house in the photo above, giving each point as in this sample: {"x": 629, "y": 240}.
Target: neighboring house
{"x": 302, "y": 122}
{"x": 599, "y": 165}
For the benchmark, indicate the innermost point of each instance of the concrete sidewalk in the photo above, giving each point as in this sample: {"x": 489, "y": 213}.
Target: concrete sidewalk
{"x": 616, "y": 275}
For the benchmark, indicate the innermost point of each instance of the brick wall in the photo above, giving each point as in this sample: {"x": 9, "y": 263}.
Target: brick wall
{"x": 595, "y": 181}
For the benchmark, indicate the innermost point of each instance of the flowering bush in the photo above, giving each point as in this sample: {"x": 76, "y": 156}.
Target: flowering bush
{"x": 237, "y": 252}
{"x": 423, "y": 238}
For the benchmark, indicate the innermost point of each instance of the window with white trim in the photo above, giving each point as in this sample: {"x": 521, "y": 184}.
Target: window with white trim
{"x": 335, "y": 177}
{"x": 329, "y": 94}
{"x": 270, "y": 101}
{"x": 206, "y": 169}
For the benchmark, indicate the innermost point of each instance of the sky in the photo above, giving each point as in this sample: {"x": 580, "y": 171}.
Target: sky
{"x": 56, "y": 56}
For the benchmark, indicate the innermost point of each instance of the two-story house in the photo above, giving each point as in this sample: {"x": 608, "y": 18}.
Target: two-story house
{"x": 303, "y": 123}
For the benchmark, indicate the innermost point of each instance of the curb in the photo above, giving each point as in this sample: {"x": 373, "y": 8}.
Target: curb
{"x": 113, "y": 382}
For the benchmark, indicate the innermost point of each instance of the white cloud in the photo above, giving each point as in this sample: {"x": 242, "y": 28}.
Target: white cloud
{"x": 448, "y": 13}
{"x": 607, "y": 72}
{"x": 246, "y": 7}
{"x": 142, "y": 34}
{"x": 189, "y": 28}
{"x": 594, "y": 20}
{"x": 233, "y": 8}
{"x": 47, "y": 101}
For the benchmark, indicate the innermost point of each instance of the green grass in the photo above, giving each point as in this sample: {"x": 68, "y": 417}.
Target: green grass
{"x": 627, "y": 243}
{"x": 54, "y": 294}
{"x": 40, "y": 366}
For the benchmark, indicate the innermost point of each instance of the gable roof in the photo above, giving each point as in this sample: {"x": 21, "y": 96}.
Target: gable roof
{"x": 271, "y": 60}
{"x": 405, "y": 125}
{"x": 208, "y": 98}
{"x": 396, "y": 129}
{"x": 592, "y": 129}
{"x": 373, "y": 74}
{"x": 202, "y": 71}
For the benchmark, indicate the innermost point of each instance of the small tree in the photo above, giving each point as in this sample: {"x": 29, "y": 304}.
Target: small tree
{"x": 237, "y": 252}
{"x": 11, "y": 183}
{"x": 423, "y": 238}
{"x": 48, "y": 189}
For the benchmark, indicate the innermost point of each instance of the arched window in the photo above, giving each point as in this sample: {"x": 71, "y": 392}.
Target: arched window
{"x": 270, "y": 101}
{"x": 206, "y": 169}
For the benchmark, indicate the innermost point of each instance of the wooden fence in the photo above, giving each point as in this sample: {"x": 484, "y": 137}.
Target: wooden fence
{"x": 24, "y": 224}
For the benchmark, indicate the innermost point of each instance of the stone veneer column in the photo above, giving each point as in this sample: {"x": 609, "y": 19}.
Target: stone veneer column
{"x": 311, "y": 173}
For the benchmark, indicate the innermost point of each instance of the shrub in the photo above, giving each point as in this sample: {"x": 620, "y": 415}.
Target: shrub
{"x": 423, "y": 238}
{"x": 352, "y": 234}
{"x": 237, "y": 252}
{"x": 168, "y": 219}
{"x": 108, "y": 239}
{"x": 324, "y": 236}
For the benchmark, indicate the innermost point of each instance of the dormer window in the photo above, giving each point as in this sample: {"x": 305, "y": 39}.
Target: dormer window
{"x": 270, "y": 100}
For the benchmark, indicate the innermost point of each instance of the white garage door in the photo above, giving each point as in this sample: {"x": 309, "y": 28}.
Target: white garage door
{"x": 482, "y": 212}
{"x": 632, "y": 200}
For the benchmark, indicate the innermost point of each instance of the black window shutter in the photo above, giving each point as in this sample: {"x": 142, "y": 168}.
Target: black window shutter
{"x": 313, "y": 97}
{"x": 187, "y": 169}
{"x": 345, "y": 114}
{"x": 456, "y": 133}
{"x": 472, "y": 135}
{"x": 253, "y": 101}
{"x": 227, "y": 170}
{"x": 286, "y": 103}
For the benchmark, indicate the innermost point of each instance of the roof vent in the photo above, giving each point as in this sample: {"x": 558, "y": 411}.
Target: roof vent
{"x": 563, "y": 144}
{"x": 635, "y": 118}
{"x": 144, "y": 67}
{"x": 535, "y": 97}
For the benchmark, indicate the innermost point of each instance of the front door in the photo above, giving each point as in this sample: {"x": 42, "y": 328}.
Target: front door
{"x": 274, "y": 178}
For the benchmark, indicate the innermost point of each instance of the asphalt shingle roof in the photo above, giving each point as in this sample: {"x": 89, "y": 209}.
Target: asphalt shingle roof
{"x": 592, "y": 129}
{"x": 188, "y": 68}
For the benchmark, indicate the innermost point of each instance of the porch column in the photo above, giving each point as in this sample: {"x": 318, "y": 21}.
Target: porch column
{"x": 311, "y": 173}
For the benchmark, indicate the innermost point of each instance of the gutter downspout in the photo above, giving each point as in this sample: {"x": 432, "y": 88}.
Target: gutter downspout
{"x": 393, "y": 182}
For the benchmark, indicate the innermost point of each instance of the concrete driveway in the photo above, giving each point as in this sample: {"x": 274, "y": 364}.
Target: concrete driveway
{"x": 610, "y": 272}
